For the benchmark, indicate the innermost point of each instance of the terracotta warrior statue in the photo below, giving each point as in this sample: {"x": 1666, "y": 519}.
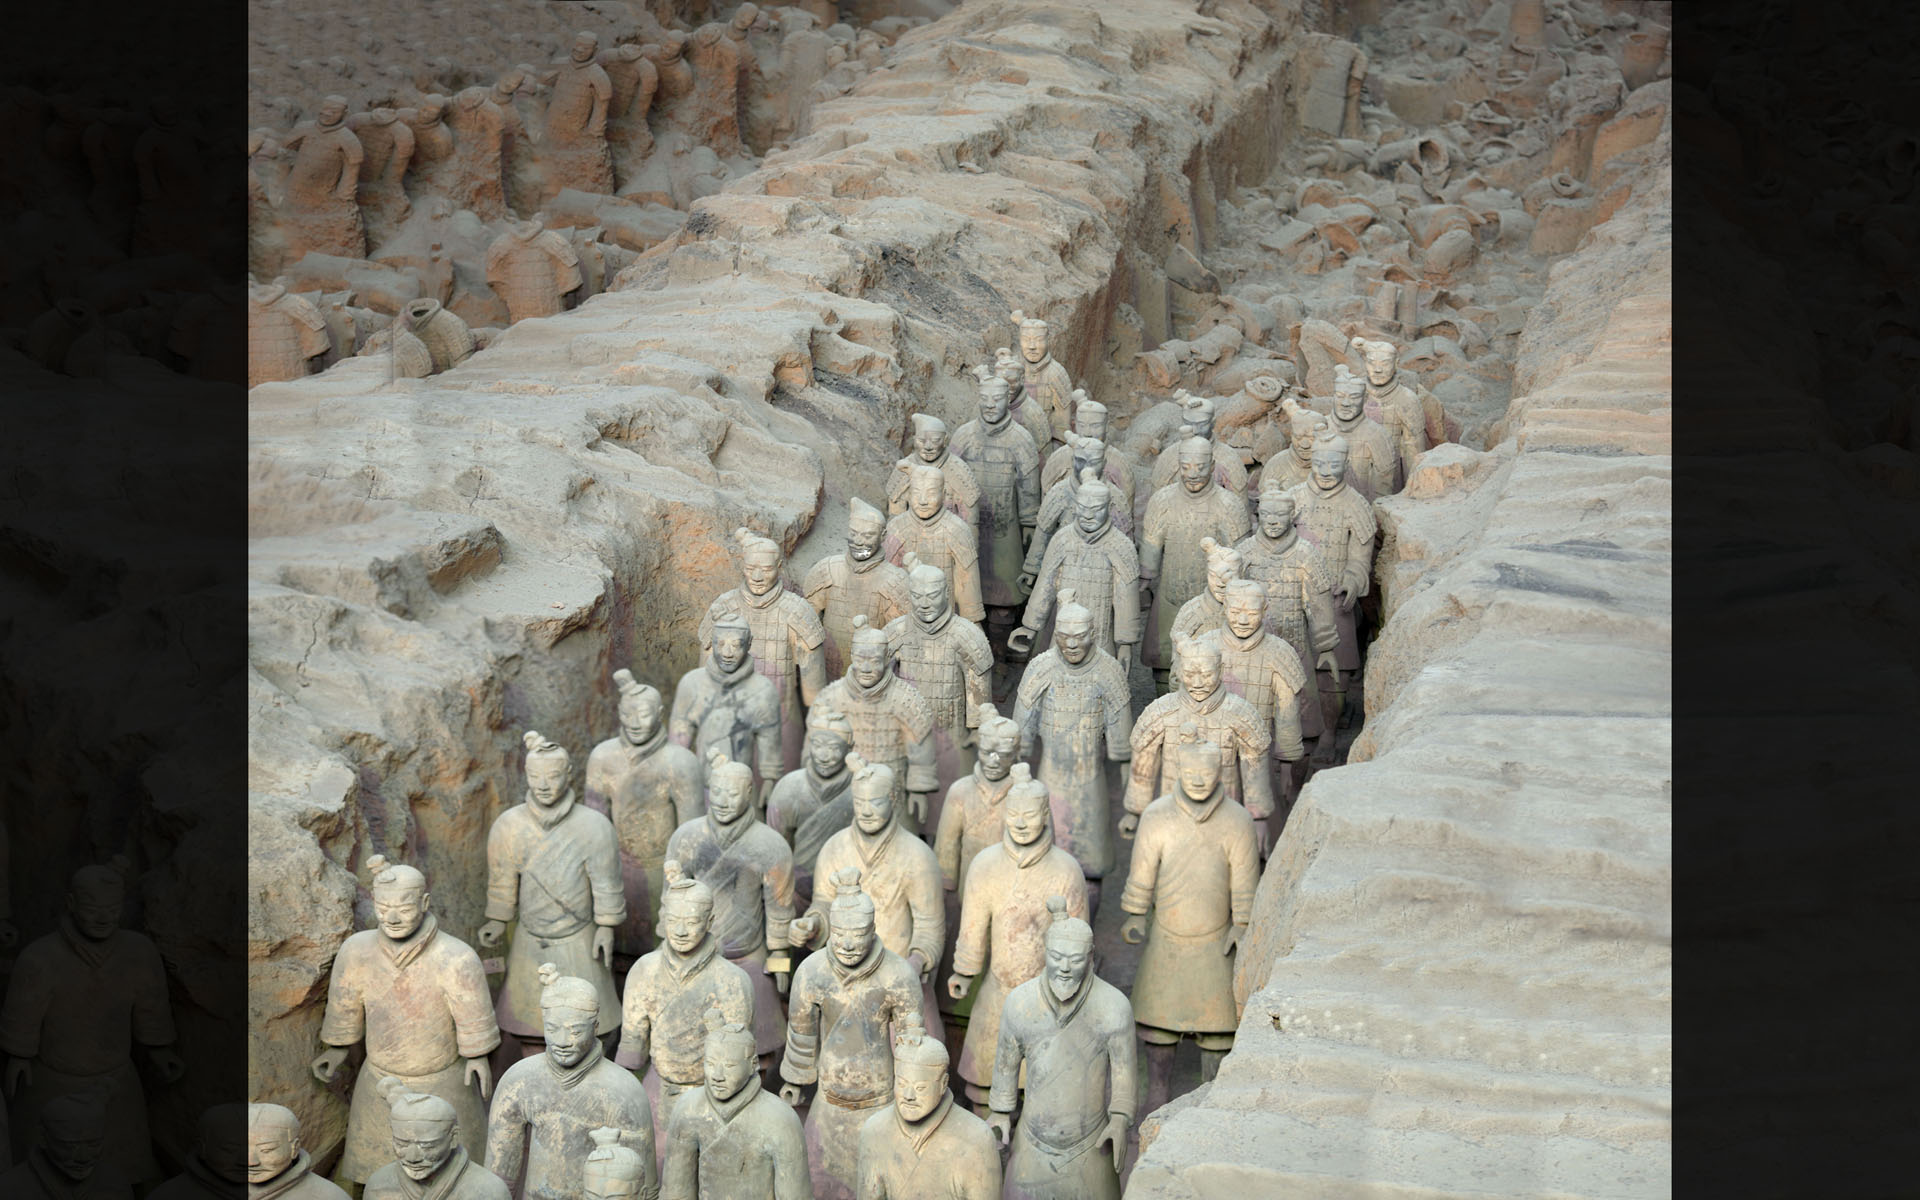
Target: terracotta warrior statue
{"x": 1373, "y": 457}
{"x": 1090, "y": 421}
{"x": 730, "y": 1139}
{"x": 574, "y": 147}
{"x": 1098, "y": 564}
{"x": 923, "y": 1144}
{"x": 1172, "y": 564}
{"x": 669, "y": 993}
{"x": 1006, "y": 464}
{"x": 613, "y": 1172}
{"x": 649, "y": 786}
{"x": 1204, "y": 613}
{"x": 547, "y": 1106}
{"x": 1073, "y": 1032}
{"x": 844, "y": 1002}
{"x": 947, "y": 660}
{"x": 1299, "y": 596}
{"x": 1197, "y": 414}
{"x": 1413, "y": 417}
{"x": 448, "y": 339}
{"x": 1075, "y": 703}
{"x": 936, "y": 535}
{"x": 1003, "y": 922}
{"x": 1335, "y": 517}
{"x": 788, "y": 640}
{"x": 1195, "y": 865}
{"x": 432, "y": 140}
{"x": 859, "y": 581}
{"x": 425, "y": 1134}
{"x": 66, "y": 1162}
{"x": 477, "y": 171}
{"x": 1304, "y": 428}
{"x": 970, "y": 818}
{"x": 726, "y": 705}
{"x": 810, "y": 805}
{"x": 285, "y": 334}
{"x": 715, "y": 104}
{"x": 673, "y": 99}
{"x": 417, "y": 996}
{"x": 387, "y": 143}
{"x": 1047, "y": 381}
{"x": 217, "y": 1168}
{"x": 322, "y": 210}
{"x": 892, "y": 722}
{"x": 932, "y": 446}
{"x": 532, "y": 268}
{"x": 1250, "y": 422}
{"x": 553, "y": 863}
{"x": 1230, "y": 724}
{"x": 635, "y": 80}
{"x": 1056, "y": 507}
{"x": 1030, "y": 417}
{"x": 278, "y": 1168}
{"x": 80, "y": 999}
{"x": 750, "y": 871}
{"x": 1265, "y": 672}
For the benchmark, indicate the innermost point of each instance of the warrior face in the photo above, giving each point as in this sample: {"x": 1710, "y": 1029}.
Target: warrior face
{"x": 1217, "y": 581}
{"x": 931, "y": 443}
{"x": 1245, "y": 612}
{"x": 925, "y": 496}
{"x": 1380, "y": 368}
{"x": 863, "y": 542}
{"x": 684, "y": 922}
{"x": 917, "y": 1089}
{"x": 727, "y": 796}
{"x": 74, "y": 1157}
{"x": 1200, "y": 675}
{"x": 929, "y": 599}
{"x": 1276, "y": 515}
{"x": 872, "y": 813}
{"x": 826, "y": 752}
{"x": 1196, "y": 469}
{"x": 867, "y": 665}
{"x": 996, "y": 752}
{"x": 1075, "y": 640}
{"x": 584, "y": 47}
{"x": 1348, "y": 402}
{"x": 729, "y": 1066}
{"x": 1033, "y": 343}
{"x": 547, "y": 778}
{"x": 731, "y": 647}
{"x": 332, "y": 112}
{"x": 270, "y": 1150}
{"x": 1067, "y": 968}
{"x": 850, "y": 935}
{"x": 993, "y": 404}
{"x": 639, "y": 718}
{"x": 1199, "y": 773}
{"x": 1329, "y": 465}
{"x": 1090, "y": 512}
{"x": 399, "y": 910}
{"x": 761, "y": 570}
{"x": 570, "y": 1035}
{"x": 421, "y": 1147}
{"x": 1089, "y": 454}
{"x": 1094, "y": 425}
{"x": 1025, "y": 813}
{"x": 95, "y": 909}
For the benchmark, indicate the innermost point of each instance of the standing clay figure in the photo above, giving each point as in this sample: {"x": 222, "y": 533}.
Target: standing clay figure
{"x": 1335, "y": 517}
{"x": 937, "y": 536}
{"x": 432, "y": 140}
{"x": 731, "y": 1139}
{"x": 547, "y": 1106}
{"x": 285, "y": 333}
{"x": 635, "y": 80}
{"x": 417, "y": 996}
{"x": 923, "y": 1144}
{"x": 387, "y": 143}
{"x": 278, "y": 1168}
{"x": 1074, "y": 700}
{"x": 477, "y": 171}
{"x": 1073, "y": 1031}
{"x": 714, "y": 119}
{"x": 1299, "y": 595}
{"x": 1373, "y": 459}
{"x": 725, "y": 705}
{"x": 859, "y": 581}
{"x": 970, "y": 817}
{"x": 1030, "y": 417}
{"x": 788, "y": 640}
{"x": 1089, "y": 420}
{"x": 613, "y": 1172}
{"x": 1047, "y": 382}
{"x": 521, "y": 174}
{"x": 573, "y": 148}
{"x": 1056, "y": 508}
{"x": 750, "y": 870}
{"x": 1006, "y": 464}
{"x": 892, "y": 722}
{"x": 1172, "y": 564}
{"x": 217, "y": 1169}
{"x": 669, "y": 992}
{"x": 648, "y": 785}
{"x": 428, "y": 1158}
{"x": 555, "y": 864}
{"x": 1414, "y": 417}
{"x": 80, "y": 999}
{"x": 1003, "y": 922}
{"x": 532, "y": 268}
{"x": 1304, "y": 428}
{"x": 932, "y": 445}
{"x": 810, "y": 805}
{"x": 1197, "y": 415}
{"x": 1230, "y": 724}
{"x": 947, "y": 660}
{"x": 321, "y": 209}
{"x": 1265, "y": 672}
{"x": 676, "y": 79}
{"x": 444, "y": 334}
{"x": 844, "y": 1002}
{"x": 1195, "y": 865}
{"x": 1098, "y": 564}
{"x": 1204, "y": 613}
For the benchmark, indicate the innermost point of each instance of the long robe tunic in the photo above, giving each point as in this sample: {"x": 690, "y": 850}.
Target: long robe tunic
{"x": 1228, "y": 469}
{"x": 1413, "y": 418}
{"x": 663, "y": 1013}
{"x": 1006, "y": 464}
{"x": 900, "y": 874}
{"x": 789, "y": 648}
{"x": 748, "y": 1146}
{"x": 1194, "y": 868}
{"x": 1223, "y": 719}
{"x": 737, "y": 711}
{"x": 945, "y": 542}
{"x": 892, "y": 724}
{"x": 1080, "y": 1069}
{"x": 1082, "y": 718}
{"x": 1340, "y": 522}
{"x": 1031, "y": 415}
{"x": 1176, "y": 522}
{"x": 806, "y": 810}
{"x": 543, "y": 1121}
{"x": 951, "y": 1155}
{"x": 1104, "y": 572}
{"x": 1003, "y": 927}
{"x": 750, "y": 870}
{"x": 962, "y": 490}
{"x": 1299, "y": 603}
{"x": 841, "y": 1037}
{"x": 839, "y": 588}
{"x": 459, "y": 1178}
{"x": 1057, "y": 513}
{"x": 1373, "y": 461}
{"x": 1265, "y": 672}
{"x": 969, "y": 822}
{"x": 950, "y": 664}
{"x": 533, "y": 275}
{"x": 422, "y": 1007}
{"x": 1048, "y": 385}
{"x": 575, "y": 151}
{"x": 648, "y": 791}
{"x": 76, "y": 1008}
{"x": 558, "y": 870}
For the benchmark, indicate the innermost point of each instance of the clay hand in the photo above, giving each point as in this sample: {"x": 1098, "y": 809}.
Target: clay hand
{"x": 1125, "y": 655}
{"x": 800, "y": 930}
{"x": 957, "y": 985}
{"x": 19, "y": 1069}
{"x": 1002, "y": 1126}
{"x": 170, "y": 1065}
{"x": 1344, "y": 597}
{"x": 1261, "y": 836}
{"x": 479, "y": 1072}
{"x": 603, "y": 944}
{"x": 1129, "y": 825}
{"x": 790, "y": 1094}
{"x": 1325, "y": 662}
{"x": 969, "y": 737}
{"x": 781, "y": 979}
{"x": 917, "y": 807}
{"x": 1020, "y": 641}
{"x": 1133, "y": 930}
{"x": 1116, "y": 1132}
{"x": 491, "y": 933}
{"x": 919, "y": 963}
{"x": 325, "y": 1067}
{"x": 9, "y": 935}
{"x": 1025, "y": 582}
{"x": 1232, "y": 940}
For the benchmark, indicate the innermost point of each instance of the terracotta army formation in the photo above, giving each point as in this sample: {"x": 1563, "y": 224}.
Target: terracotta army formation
{"x": 1057, "y": 506}
{"x": 1265, "y": 672}
{"x": 924, "y": 1144}
{"x": 1074, "y": 1034}
{"x": 1204, "y": 613}
{"x": 1046, "y": 380}
{"x": 477, "y": 171}
{"x": 1031, "y": 417}
{"x": 1299, "y": 598}
{"x": 1006, "y": 464}
{"x": 532, "y": 268}
{"x": 730, "y": 1139}
{"x": 932, "y": 445}
{"x": 1195, "y": 865}
{"x": 1230, "y": 724}
{"x": 892, "y": 722}
{"x": 970, "y": 817}
{"x": 573, "y": 148}
{"x": 613, "y": 1172}
{"x": 81, "y": 998}
{"x": 844, "y": 1002}
{"x": 1304, "y": 428}
{"x": 1074, "y": 703}
{"x": 1172, "y": 563}
{"x": 285, "y": 333}
{"x": 1197, "y": 412}
{"x": 387, "y": 143}
{"x": 1414, "y": 417}
{"x": 417, "y": 996}
{"x": 217, "y": 1168}
{"x": 648, "y": 785}
{"x": 750, "y": 871}
{"x": 947, "y": 660}
{"x": 1373, "y": 458}
{"x": 1003, "y": 922}
{"x": 547, "y": 1106}
{"x": 428, "y": 1158}
{"x": 788, "y": 640}
{"x": 810, "y": 805}
{"x": 554, "y": 864}
{"x": 321, "y": 212}
{"x": 278, "y": 1167}
{"x": 1098, "y": 565}
{"x": 936, "y": 535}
{"x": 859, "y": 581}
{"x": 1336, "y": 518}
{"x": 670, "y": 992}
{"x": 727, "y": 705}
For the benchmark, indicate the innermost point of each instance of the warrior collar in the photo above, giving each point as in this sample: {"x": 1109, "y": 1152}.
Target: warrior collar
{"x": 402, "y": 952}
{"x": 570, "y": 1077}
{"x": 918, "y": 1133}
{"x": 680, "y": 966}
{"x": 549, "y": 817}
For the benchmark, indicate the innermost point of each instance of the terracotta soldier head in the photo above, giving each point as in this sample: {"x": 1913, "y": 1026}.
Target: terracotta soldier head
{"x": 1073, "y": 630}
{"x": 548, "y": 768}
{"x": 1033, "y": 336}
{"x": 585, "y": 46}
{"x": 928, "y": 589}
{"x": 1026, "y": 814}
{"x": 333, "y": 110}
{"x": 1196, "y": 411}
{"x": 1092, "y": 503}
{"x": 866, "y": 530}
{"x": 1009, "y": 368}
{"x": 930, "y": 437}
{"x": 926, "y": 491}
{"x": 729, "y": 788}
{"x": 273, "y": 1142}
{"x": 1069, "y": 943}
{"x": 96, "y": 896}
{"x": 872, "y": 791}
{"x": 639, "y": 708}
{"x": 1329, "y": 461}
{"x": 1304, "y": 427}
{"x": 1089, "y": 416}
{"x": 1349, "y": 394}
{"x": 1224, "y": 565}
{"x": 1089, "y": 454}
{"x": 74, "y": 1130}
{"x": 760, "y": 561}
{"x": 829, "y": 737}
{"x": 1196, "y": 460}
{"x": 869, "y": 657}
{"x": 731, "y": 1058}
{"x": 570, "y": 1014}
{"x": 732, "y": 641}
{"x": 744, "y": 17}
{"x": 222, "y": 1144}
{"x": 1199, "y": 660}
{"x": 399, "y": 897}
{"x": 1246, "y": 604}
{"x": 1276, "y": 510}
{"x": 919, "y": 1069}
{"x": 850, "y": 923}
{"x": 995, "y": 395}
{"x": 432, "y": 108}
{"x": 530, "y": 228}
{"x": 1382, "y": 360}
{"x": 612, "y": 1171}
{"x": 424, "y": 1129}
{"x": 1198, "y": 762}
{"x": 998, "y": 743}
{"x": 686, "y": 910}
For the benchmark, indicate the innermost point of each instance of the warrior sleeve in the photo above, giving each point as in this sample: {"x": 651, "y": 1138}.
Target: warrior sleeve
{"x": 976, "y": 921}
{"x": 897, "y": 487}
{"x": 891, "y": 600}
{"x": 923, "y": 773}
{"x": 680, "y": 1174}
{"x": 1121, "y": 1070}
{"x": 1118, "y": 701}
{"x": 1316, "y": 594}
{"x": 705, "y": 632}
{"x": 402, "y": 151}
{"x": 976, "y": 667}
{"x": 776, "y": 895}
{"x": 803, "y": 1032}
{"x": 791, "y": 1180}
{"x": 1028, "y": 485}
{"x": 966, "y": 577}
{"x": 818, "y": 583}
{"x": 689, "y": 800}
{"x": 1026, "y": 705}
{"x": 1145, "y": 743}
{"x": 350, "y": 170}
{"x": 152, "y": 1011}
{"x": 1126, "y": 592}
{"x": 680, "y": 723}
{"x": 1005, "y": 1092}
{"x": 894, "y": 546}
{"x": 1143, "y": 869}
{"x": 929, "y": 908}
{"x": 767, "y": 759}
{"x": 1287, "y": 741}
{"x": 28, "y": 997}
{"x": 870, "y": 1178}
{"x": 503, "y": 871}
{"x": 506, "y": 1131}
{"x": 636, "y": 1024}
{"x": 1040, "y": 600}
{"x": 1364, "y": 533}
{"x": 1238, "y": 522}
{"x": 946, "y": 841}
{"x": 962, "y": 488}
{"x": 1256, "y": 787}
{"x": 1243, "y": 872}
{"x": 603, "y": 876}
{"x": 475, "y": 1032}
{"x": 1043, "y": 531}
{"x": 345, "y": 1022}
{"x": 1153, "y": 537}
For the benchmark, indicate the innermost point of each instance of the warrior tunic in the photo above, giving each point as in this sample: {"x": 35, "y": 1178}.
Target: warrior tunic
{"x": 532, "y": 274}
{"x": 648, "y": 791}
{"x": 807, "y": 810}
{"x": 664, "y": 1011}
{"x": 951, "y": 1155}
{"x": 749, "y": 1145}
{"x": 750, "y": 870}
{"x": 1080, "y": 1067}
{"x": 1048, "y": 384}
{"x": 1082, "y": 717}
{"x": 1006, "y": 464}
{"x": 1194, "y": 867}
{"x": 838, "y": 588}
{"x": 542, "y": 1116}
{"x": 737, "y": 711}
{"x": 949, "y": 663}
{"x": 962, "y": 491}
{"x": 1104, "y": 573}
{"x": 461, "y": 1177}
{"x": 297, "y": 1182}
{"x": 788, "y": 648}
{"x": 900, "y": 874}
{"x": 1340, "y": 522}
{"x": 1373, "y": 461}
{"x": 1176, "y": 521}
{"x": 1299, "y": 603}
{"x": 892, "y": 724}
{"x": 1057, "y": 513}
{"x": 945, "y": 542}
{"x": 1223, "y": 719}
